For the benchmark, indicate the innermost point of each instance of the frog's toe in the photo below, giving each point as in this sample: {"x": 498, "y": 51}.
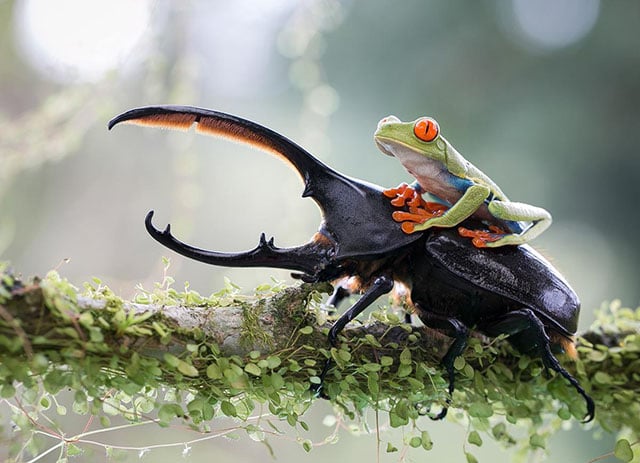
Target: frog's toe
{"x": 493, "y": 238}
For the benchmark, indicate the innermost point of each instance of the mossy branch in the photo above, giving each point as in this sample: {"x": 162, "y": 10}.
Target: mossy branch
{"x": 232, "y": 351}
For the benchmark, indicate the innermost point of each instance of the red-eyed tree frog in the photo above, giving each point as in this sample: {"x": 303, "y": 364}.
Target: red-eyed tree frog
{"x": 460, "y": 186}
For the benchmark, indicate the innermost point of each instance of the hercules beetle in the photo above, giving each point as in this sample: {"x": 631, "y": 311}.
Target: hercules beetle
{"x": 454, "y": 286}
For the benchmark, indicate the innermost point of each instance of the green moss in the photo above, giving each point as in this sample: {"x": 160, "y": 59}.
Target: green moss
{"x": 253, "y": 332}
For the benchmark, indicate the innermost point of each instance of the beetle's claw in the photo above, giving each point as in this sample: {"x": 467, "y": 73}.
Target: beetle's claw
{"x": 442, "y": 413}
{"x": 317, "y": 389}
{"x": 591, "y": 407}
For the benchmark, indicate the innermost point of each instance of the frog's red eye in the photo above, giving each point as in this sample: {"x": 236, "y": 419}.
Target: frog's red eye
{"x": 426, "y": 129}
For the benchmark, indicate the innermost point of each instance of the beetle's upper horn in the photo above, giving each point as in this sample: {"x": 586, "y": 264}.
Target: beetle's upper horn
{"x": 224, "y": 125}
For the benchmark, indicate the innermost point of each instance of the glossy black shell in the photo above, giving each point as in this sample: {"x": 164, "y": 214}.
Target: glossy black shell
{"x": 478, "y": 286}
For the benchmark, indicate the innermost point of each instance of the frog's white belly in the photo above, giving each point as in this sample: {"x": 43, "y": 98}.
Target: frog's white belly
{"x": 435, "y": 179}
{"x": 431, "y": 175}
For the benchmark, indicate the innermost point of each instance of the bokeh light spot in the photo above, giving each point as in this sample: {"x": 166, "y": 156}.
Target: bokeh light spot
{"x": 78, "y": 40}
{"x": 553, "y": 24}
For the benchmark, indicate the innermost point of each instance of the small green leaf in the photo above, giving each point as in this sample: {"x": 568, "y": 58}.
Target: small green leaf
{"x": 537, "y": 441}
{"x": 371, "y": 367}
{"x": 277, "y": 381}
{"x": 405, "y": 356}
{"x": 169, "y": 411}
{"x": 468, "y": 371}
{"x": 7, "y": 391}
{"x": 470, "y": 458}
{"x": 372, "y": 384}
{"x": 404, "y": 370}
{"x": 192, "y": 347}
{"x": 480, "y": 410}
{"x": 307, "y": 445}
{"x": 474, "y": 438}
{"x": 214, "y": 372}
{"x": 273, "y": 362}
{"x": 73, "y": 450}
{"x": 397, "y": 421}
{"x": 564, "y": 413}
{"x": 228, "y": 408}
{"x": 623, "y": 450}
{"x": 253, "y": 369}
{"x": 171, "y": 360}
{"x": 187, "y": 369}
{"x": 86, "y": 319}
{"x": 427, "y": 443}
{"x": 597, "y": 355}
{"x": 344, "y": 355}
{"x": 602, "y": 378}
{"x": 415, "y": 442}
{"x": 391, "y": 448}
{"x": 306, "y": 330}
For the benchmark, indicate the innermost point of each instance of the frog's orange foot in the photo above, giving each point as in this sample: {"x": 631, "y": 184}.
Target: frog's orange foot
{"x": 480, "y": 238}
{"x": 419, "y": 210}
{"x": 402, "y": 195}
{"x": 431, "y": 208}
{"x": 393, "y": 192}
{"x": 410, "y": 219}
{"x": 418, "y": 215}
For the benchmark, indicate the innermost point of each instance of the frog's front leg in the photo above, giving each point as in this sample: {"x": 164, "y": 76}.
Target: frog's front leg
{"x": 519, "y": 212}
{"x": 468, "y": 203}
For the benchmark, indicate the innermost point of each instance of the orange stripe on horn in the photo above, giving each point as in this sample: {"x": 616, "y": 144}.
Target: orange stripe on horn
{"x": 224, "y": 128}
{"x": 234, "y": 132}
{"x": 176, "y": 121}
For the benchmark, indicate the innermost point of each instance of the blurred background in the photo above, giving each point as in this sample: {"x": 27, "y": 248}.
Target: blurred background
{"x": 543, "y": 96}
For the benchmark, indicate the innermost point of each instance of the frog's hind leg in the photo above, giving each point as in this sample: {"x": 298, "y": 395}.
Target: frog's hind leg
{"x": 519, "y": 212}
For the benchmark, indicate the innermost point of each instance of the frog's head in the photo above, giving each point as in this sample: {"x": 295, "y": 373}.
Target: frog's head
{"x": 411, "y": 142}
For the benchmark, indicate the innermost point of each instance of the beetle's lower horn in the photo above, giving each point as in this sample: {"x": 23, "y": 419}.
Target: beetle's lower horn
{"x": 309, "y": 258}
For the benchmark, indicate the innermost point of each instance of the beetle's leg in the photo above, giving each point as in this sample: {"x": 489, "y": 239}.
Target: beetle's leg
{"x": 528, "y": 332}
{"x": 381, "y": 285}
{"x": 454, "y": 328}
{"x": 340, "y": 293}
